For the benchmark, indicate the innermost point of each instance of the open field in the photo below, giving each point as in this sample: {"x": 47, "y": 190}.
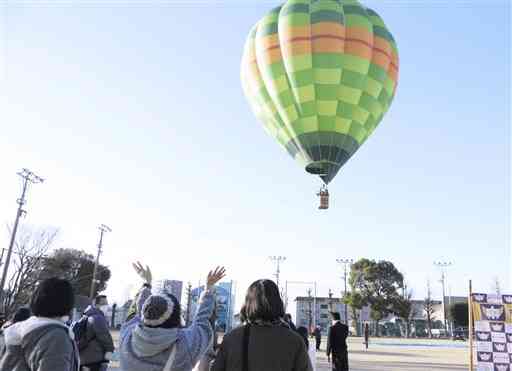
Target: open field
{"x": 397, "y": 355}
{"x": 404, "y": 355}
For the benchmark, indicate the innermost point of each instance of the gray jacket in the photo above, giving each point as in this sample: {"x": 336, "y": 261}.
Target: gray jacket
{"x": 39, "y": 344}
{"x": 148, "y": 349}
{"x": 99, "y": 335}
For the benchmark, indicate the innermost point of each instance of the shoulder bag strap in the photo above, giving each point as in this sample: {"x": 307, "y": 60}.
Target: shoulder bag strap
{"x": 245, "y": 354}
{"x": 172, "y": 356}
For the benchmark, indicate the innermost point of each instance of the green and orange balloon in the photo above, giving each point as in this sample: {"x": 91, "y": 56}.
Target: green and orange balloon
{"x": 320, "y": 75}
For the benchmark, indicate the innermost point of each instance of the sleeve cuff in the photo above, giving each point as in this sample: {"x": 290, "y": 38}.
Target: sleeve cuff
{"x": 211, "y": 291}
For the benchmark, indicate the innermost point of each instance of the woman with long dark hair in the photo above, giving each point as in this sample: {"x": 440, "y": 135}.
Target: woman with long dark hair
{"x": 265, "y": 342}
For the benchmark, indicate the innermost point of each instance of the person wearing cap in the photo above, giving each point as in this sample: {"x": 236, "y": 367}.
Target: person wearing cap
{"x": 43, "y": 342}
{"x": 337, "y": 343}
{"x": 153, "y": 339}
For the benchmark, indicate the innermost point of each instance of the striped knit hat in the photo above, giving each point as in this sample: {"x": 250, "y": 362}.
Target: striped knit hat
{"x": 156, "y": 310}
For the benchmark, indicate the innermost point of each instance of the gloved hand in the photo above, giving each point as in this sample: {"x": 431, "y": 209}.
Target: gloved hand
{"x": 109, "y": 356}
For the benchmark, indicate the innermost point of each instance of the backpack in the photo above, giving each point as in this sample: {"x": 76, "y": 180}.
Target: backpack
{"x": 80, "y": 331}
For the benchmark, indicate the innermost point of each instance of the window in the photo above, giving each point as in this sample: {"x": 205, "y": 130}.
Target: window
{"x": 324, "y": 315}
{"x": 324, "y": 306}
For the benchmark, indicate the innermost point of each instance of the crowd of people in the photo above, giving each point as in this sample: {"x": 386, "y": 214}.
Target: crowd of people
{"x": 154, "y": 338}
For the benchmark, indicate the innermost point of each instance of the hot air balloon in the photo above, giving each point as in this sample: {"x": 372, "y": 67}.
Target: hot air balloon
{"x": 320, "y": 75}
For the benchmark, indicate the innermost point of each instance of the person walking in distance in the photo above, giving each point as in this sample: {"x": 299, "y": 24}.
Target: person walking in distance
{"x": 93, "y": 337}
{"x": 366, "y": 335}
{"x": 288, "y": 319}
{"x": 318, "y": 337}
{"x": 337, "y": 344}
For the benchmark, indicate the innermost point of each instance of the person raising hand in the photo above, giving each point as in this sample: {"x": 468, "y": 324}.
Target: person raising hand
{"x": 153, "y": 339}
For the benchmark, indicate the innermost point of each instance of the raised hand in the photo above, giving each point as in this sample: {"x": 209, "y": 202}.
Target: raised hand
{"x": 144, "y": 273}
{"x": 215, "y": 276}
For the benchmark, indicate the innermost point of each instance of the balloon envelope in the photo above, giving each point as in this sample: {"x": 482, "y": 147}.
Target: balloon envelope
{"x": 320, "y": 75}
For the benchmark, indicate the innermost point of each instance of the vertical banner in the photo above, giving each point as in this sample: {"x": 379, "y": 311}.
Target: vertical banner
{"x": 493, "y": 331}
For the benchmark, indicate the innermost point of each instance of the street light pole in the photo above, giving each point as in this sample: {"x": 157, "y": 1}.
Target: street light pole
{"x": 310, "y": 283}
{"x": 103, "y": 228}
{"x": 345, "y": 263}
{"x": 28, "y": 178}
{"x": 443, "y": 266}
{"x": 277, "y": 260}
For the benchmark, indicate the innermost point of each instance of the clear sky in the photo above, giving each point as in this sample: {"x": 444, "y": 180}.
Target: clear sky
{"x": 134, "y": 114}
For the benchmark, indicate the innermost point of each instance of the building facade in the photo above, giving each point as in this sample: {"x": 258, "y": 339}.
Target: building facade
{"x": 173, "y": 287}
{"x": 312, "y": 312}
{"x": 225, "y": 304}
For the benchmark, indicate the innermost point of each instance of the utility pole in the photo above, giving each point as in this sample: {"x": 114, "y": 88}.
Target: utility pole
{"x": 277, "y": 260}
{"x": 28, "y": 178}
{"x": 345, "y": 262}
{"x": 443, "y": 266}
{"x": 103, "y": 228}
{"x": 310, "y": 311}
{"x": 330, "y": 301}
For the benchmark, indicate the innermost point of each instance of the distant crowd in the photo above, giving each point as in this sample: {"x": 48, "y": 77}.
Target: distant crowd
{"x": 154, "y": 338}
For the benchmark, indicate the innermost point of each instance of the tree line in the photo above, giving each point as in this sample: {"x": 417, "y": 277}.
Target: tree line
{"x": 382, "y": 287}
{"x": 36, "y": 257}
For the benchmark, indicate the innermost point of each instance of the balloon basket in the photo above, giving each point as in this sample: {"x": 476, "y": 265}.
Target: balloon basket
{"x": 324, "y": 198}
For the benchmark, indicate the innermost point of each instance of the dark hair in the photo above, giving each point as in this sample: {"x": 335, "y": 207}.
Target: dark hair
{"x": 21, "y": 315}
{"x": 336, "y": 316}
{"x": 262, "y": 302}
{"x": 54, "y": 297}
{"x": 303, "y": 332}
{"x": 175, "y": 318}
{"x": 243, "y": 314}
{"x": 99, "y": 298}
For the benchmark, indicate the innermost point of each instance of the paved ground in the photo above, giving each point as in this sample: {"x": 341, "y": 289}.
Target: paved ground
{"x": 403, "y": 355}
{"x": 398, "y": 355}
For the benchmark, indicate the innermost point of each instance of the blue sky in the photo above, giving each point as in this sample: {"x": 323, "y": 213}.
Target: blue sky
{"x": 134, "y": 113}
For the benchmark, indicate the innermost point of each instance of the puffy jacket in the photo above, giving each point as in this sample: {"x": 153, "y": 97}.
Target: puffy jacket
{"x": 147, "y": 348}
{"x": 39, "y": 344}
{"x": 100, "y": 340}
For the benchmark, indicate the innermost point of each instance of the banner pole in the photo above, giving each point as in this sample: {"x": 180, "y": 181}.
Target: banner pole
{"x": 470, "y": 313}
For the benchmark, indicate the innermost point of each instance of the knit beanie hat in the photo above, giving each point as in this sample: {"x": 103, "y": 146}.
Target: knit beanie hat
{"x": 157, "y": 309}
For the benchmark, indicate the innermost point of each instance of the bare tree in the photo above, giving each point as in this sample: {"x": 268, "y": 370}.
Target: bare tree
{"x": 29, "y": 251}
{"x": 428, "y": 307}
